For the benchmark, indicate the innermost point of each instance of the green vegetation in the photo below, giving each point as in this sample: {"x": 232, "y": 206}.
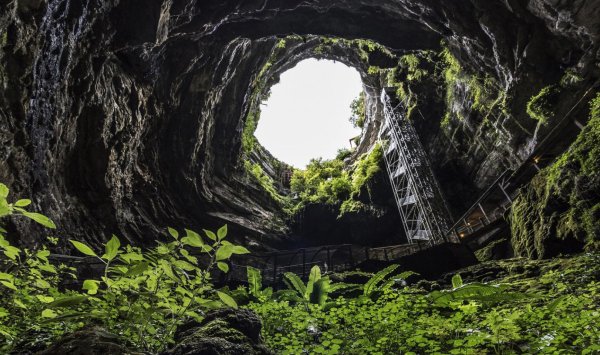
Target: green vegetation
{"x": 552, "y": 310}
{"x": 323, "y": 181}
{"x": 546, "y": 306}
{"x": 358, "y": 111}
{"x": 331, "y": 182}
{"x": 561, "y": 202}
{"x": 483, "y": 92}
{"x": 541, "y": 106}
{"x": 141, "y": 295}
{"x": 267, "y": 184}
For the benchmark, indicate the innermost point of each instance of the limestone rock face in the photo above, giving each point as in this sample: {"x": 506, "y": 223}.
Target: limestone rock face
{"x": 126, "y": 116}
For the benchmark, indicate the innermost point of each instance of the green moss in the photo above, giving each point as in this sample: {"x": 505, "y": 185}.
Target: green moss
{"x": 541, "y": 106}
{"x": 560, "y": 203}
{"x": 267, "y": 184}
{"x": 365, "y": 168}
{"x": 412, "y": 65}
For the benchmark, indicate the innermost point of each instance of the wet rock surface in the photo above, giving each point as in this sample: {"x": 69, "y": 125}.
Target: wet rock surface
{"x": 88, "y": 341}
{"x": 126, "y": 116}
{"x": 226, "y": 331}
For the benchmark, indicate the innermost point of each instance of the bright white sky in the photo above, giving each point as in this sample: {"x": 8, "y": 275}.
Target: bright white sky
{"x": 307, "y": 114}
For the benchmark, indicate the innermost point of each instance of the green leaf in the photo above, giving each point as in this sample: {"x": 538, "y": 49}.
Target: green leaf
{"x": 227, "y": 300}
{"x": 40, "y": 218}
{"x": 210, "y": 235}
{"x": 9, "y": 285}
{"x": 43, "y": 254}
{"x": 321, "y": 289}
{"x": 7, "y": 277}
{"x": 374, "y": 281}
{"x": 45, "y": 299}
{"x": 3, "y": 191}
{"x": 184, "y": 265}
{"x": 23, "y": 203}
{"x": 11, "y": 252}
{"x": 254, "y": 280}
{"x": 224, "y": 252}
{"x": 294, "y": 282}
{"x": 457, "y": 281}
{"x": 83, "y": 248}
{"x": 314, "y": 276}
{"x": 68, "y": 301}
{"x": 168, "y": 270}
{"x": 91, "y": 286}
{"x": 112, "y": 248}
{"x": 137, "y": 269}
{"x": 222, "y": 232}
{"x": 223, "y": 266}
{"x": 48, "y": 313}
{"x": 173, "y": 233}
{"x": 238, "y": 249}
{"x": 192, "y": 239}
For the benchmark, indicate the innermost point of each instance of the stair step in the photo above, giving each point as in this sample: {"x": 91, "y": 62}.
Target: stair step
{"x": 391, "y": 148}
{"x": 407, "y": 200}
{"x": 399, "y": 171}
{"x": 420, "y": 234}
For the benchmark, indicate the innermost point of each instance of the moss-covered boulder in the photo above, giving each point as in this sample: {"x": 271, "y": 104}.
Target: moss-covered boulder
{"x": 222, "y": 332}
{"x": 559, "y": 211}
{"x": 87, "y": 341}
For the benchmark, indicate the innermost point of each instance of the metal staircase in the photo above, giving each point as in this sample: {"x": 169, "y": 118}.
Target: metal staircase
{"x": 418, "y": 196}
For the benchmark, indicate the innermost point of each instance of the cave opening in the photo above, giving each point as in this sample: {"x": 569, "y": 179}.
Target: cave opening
{"x": 307, "y": 115}
{"x": 141, "y": 210}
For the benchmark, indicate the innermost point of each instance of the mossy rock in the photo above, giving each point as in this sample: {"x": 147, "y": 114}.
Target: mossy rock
{"x": 222, "y": 332}
{"x": 88, "y": 341}
{"x": 559, "y": 212}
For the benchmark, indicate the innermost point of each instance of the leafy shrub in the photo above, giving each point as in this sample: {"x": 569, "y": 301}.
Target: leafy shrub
{"x": 141, "y": 295}
{"x": 358, "y": 110}
{"x": 541, "y": 106}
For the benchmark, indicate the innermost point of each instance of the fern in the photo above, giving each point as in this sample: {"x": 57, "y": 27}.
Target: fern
{"x": 372, "y": 284}
{"x": 294, "y": 282}
{"x": 254, "y": 281}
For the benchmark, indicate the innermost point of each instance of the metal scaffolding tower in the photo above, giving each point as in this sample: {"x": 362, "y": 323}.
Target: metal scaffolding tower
{"x": 420, "y": 203}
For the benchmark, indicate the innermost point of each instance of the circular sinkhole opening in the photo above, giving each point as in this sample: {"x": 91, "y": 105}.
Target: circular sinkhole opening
{"x": 308, "y": 113}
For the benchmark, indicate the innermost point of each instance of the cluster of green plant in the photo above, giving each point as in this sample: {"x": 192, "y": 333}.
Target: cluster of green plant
{"x": 362, "y": 46}
{"x": 358, "y": 110}
{"x": 570, "y": 78}
{"x": 323, "y": 181}
{"x": 483, "y": 92}
{"x": 266, "y": 182}
{"x": 541, "y": 106}
{"x": 560, "y": 203}
{"x": 411, "y": 70}
{"x": 331, "y": 182}
{"x": 140, "y": 295}
{"x": 556, "y": 312}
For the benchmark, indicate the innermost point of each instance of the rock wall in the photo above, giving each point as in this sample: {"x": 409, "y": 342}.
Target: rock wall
{"x": 127, "y": 116}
